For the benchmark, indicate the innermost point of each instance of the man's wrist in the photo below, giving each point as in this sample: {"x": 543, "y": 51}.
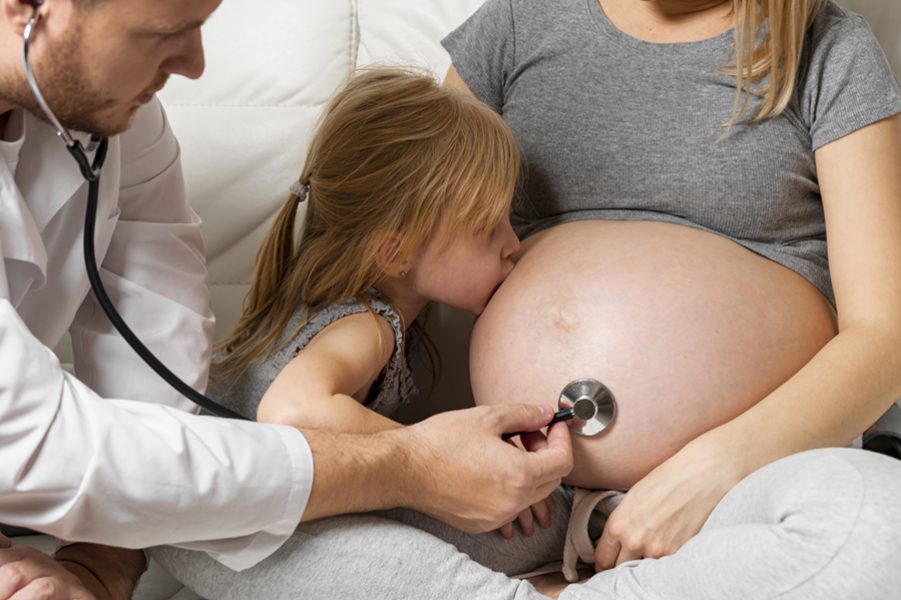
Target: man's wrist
{"x": 361, "y": 473}
{"x": 88, "y": 578}
{"x": 405, "y": 466}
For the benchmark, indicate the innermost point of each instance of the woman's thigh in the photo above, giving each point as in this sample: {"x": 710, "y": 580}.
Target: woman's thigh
{"x": 819, "y": 525}
{"x": 396, "y": 554}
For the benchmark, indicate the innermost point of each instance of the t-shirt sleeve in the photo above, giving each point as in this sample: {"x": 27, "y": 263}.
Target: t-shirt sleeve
{"x": 849, "y": 83}
{"x": 482, "y": 50}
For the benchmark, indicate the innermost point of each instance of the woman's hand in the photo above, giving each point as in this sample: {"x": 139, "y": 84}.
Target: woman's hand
{"x": 670, "y": 504}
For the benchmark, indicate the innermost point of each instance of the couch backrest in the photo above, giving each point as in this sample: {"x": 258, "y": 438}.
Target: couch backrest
{"x": 245, "y": 125}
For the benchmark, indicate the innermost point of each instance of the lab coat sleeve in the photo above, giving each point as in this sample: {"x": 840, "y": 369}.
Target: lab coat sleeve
{"x": 130, "y": 473}
{"x": 134, "y": 474}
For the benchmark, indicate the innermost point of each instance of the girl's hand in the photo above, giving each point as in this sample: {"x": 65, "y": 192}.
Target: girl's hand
{"x": 540, "y": 512}
{"x": 670, "y": 504}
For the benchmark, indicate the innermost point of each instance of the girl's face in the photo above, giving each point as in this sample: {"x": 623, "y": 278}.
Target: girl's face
{"x": 463, "y": 270}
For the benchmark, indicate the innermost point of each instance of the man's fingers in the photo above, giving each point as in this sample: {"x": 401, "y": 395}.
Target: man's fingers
{"x": 546, "y": 490}
{"x": 507, "y": 531}
{"x": 43, "y": 588}
{"x": 15, "y": 576}
{"x": 554, "y": 461}
{"x": 533, "y": 441}
{"x": 519, "y": 417}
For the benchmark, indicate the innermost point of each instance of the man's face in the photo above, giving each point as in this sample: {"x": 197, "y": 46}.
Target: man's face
{"x": 96, "y": 65}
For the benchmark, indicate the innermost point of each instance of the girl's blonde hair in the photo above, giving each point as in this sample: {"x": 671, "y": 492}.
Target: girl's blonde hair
{"x": 775, "y": 58}
{"x": 394, "y": 152}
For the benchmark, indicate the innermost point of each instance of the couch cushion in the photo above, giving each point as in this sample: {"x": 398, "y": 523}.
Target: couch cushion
{"x": 245, "y": 125}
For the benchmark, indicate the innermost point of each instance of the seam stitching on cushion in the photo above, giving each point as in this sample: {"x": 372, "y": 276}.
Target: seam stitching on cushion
{"x": 354, "y": 34}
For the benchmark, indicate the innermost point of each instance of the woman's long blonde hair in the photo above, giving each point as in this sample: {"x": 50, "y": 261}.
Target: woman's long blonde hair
{"x": 776, "y": 58}
{"x": 394, "y": 152}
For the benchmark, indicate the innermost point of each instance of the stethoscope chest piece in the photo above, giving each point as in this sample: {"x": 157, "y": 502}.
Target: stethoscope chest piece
{"x": 592, "y": 403}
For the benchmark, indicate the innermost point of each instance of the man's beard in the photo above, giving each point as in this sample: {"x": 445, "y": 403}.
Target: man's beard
{"x": 67, "y": 91}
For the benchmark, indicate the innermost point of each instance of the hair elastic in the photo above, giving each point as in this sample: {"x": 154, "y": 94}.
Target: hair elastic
{"x": 300, "y": 191}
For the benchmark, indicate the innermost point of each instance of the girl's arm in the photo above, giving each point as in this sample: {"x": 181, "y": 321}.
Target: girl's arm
{"x": 840, "y": 392}
{"x": 317, "y": 389}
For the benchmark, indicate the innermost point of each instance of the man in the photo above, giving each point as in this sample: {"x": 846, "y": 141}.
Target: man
{"x": 83, "y": 458}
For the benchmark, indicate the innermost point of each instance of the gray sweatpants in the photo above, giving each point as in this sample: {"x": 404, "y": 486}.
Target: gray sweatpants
{"x": 819, "y": 525}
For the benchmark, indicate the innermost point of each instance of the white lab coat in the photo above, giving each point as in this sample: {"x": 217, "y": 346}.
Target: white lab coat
{"x": 95, "y": 457}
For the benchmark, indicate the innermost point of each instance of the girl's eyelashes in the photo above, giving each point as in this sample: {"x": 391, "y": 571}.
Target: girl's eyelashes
{"x": 486, "y": 231}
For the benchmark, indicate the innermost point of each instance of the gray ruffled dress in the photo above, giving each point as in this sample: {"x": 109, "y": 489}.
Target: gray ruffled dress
{"x": 242, "y": 393}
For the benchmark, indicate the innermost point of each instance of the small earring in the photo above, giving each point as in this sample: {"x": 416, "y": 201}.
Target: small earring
{"x": 403, "y": 274}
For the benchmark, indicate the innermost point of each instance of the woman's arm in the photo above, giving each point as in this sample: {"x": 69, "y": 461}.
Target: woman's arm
{"x": 453, "y": 81}
{"x": 856, "y": 376}
{"x": 840, "y": 392}
{"x": 323, "y": 386}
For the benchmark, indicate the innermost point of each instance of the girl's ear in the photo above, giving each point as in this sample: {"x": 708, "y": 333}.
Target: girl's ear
{"x": 388, "y": 257}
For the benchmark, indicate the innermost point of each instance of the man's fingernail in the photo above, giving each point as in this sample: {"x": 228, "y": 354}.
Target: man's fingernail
{"x": 545, "y": 411}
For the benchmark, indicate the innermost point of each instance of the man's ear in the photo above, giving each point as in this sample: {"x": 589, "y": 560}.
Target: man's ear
{"x": 388, "y": 256}
{"x": 18, "y": 12}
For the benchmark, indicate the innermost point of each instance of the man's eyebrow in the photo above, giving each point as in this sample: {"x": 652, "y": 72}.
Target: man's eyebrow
{"x": 178, "y": 27}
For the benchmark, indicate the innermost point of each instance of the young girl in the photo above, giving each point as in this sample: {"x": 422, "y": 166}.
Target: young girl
{"x": 407, "y": 188}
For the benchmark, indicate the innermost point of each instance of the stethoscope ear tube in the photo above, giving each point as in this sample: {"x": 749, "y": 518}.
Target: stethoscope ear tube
{"x": 91, "y": 173}
{"x": 111, "y": 312}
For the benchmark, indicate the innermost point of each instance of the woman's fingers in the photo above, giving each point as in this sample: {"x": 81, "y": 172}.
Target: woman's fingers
{"x": 605, "y": 553}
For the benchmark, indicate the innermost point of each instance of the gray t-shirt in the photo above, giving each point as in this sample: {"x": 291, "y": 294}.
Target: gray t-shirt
{"x": 612, "y": 127}
{"x": 243, "y": 392}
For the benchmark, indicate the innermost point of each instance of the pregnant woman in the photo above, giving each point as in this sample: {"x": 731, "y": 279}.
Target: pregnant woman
{"x": 688, "y": 164}
{"x": 675, "y": 245}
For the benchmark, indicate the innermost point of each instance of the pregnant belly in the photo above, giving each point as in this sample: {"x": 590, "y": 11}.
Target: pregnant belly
{"x": 686, "y": 328}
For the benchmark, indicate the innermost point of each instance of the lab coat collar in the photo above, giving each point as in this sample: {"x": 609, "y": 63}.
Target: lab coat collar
{"x": 47, "y": 175}
{"x": 20, "y": 238}
{"x": 46, "y": 178}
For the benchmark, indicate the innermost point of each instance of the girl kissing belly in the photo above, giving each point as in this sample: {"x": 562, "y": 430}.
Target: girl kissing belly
{"x": 687, "y": 328}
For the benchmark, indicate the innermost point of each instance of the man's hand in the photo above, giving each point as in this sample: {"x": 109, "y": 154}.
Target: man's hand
{"x": 458, "y": 470}
{"x": 454, "y": 467}
{"x": 29, "y": 574}
{"x": 77, "y": 572}
{"x": 540, "y": 512}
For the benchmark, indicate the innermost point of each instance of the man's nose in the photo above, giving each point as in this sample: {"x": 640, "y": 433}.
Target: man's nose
{"x": 189, "y": 60}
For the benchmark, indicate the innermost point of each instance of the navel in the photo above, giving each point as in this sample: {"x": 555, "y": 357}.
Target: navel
{"x": 564, "y": 319}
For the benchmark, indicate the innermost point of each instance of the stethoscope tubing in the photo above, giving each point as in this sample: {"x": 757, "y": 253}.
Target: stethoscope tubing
{"x": 561, "y": 415}
{"x": 90, "y": 170}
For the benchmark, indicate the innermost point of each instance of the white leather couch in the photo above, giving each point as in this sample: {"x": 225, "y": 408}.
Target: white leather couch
{"x": 245, "y": 125}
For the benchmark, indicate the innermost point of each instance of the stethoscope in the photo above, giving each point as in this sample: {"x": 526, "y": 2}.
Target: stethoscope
{"x": 587, "y": 403}
{"x": 90, "y": 170}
